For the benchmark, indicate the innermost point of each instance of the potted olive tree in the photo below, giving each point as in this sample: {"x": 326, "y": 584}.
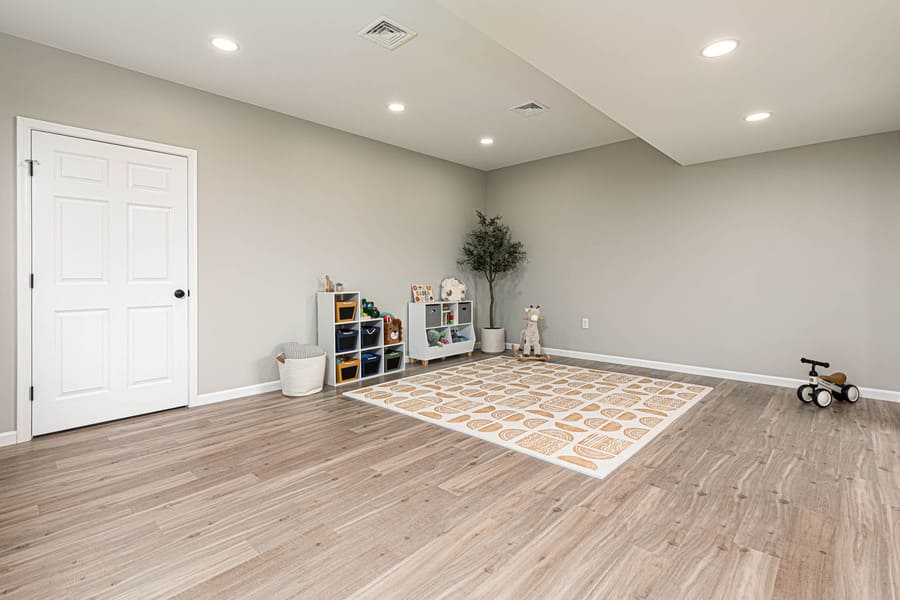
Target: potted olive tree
{"x": 490, "y": 250}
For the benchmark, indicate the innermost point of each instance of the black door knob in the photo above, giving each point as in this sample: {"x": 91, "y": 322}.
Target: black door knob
{"x": 179, "y": 293}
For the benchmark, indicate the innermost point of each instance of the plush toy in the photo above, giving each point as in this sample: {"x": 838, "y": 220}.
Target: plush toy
{"x": 393, "y": 330}
{"x": 530, "y": 346}
{"x": 453, "y": 289}
{"x": 434, "y": 337}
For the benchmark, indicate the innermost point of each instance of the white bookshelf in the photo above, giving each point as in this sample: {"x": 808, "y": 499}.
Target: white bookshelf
{"x": 327, "y": 336}
{"x": 433, "y": 316}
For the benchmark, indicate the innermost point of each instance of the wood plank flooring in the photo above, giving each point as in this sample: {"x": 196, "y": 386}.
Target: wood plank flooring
{"x": 749, "y": 495}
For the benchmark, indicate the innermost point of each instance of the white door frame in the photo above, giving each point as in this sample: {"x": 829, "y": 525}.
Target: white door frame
{"x": 24, "y": 127}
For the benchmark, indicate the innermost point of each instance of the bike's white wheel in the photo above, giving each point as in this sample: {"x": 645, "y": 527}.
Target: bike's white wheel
{"x": 805, "y": 393}
{"x": 850, "y": 393}
{"x": 823, "y": 398}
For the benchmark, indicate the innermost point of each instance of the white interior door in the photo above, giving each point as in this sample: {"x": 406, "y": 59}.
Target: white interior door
{"x": 110, "y": 249}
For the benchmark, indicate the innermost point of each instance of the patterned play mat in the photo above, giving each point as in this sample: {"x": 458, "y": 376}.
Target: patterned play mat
{"x": 582, "y": 419}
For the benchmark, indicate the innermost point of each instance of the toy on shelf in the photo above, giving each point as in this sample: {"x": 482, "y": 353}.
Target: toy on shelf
{"x": 422, "y": 293}
{"x": 329, "y": 285}
{"x": 453, "y": 289}
{"x": 530, "y": 345}
{"x": 455, "y": 337}
{"x": 434, "y": 338}
{"x": 369, "y": 310}
{"x": 447, "y": 316}
{"x": 822, "y": 389}
{"x": 393, "y": 330}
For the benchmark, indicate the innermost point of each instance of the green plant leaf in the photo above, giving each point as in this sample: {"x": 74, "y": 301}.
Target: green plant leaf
{"x": 490, "y": 250}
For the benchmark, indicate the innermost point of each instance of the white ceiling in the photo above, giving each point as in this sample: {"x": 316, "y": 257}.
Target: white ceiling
{"x": 304, "y": 58}
{"x": 826, "y": 69}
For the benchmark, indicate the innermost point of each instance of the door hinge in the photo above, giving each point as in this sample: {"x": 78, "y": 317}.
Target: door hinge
{"x": 31, "y": 164}
{"x": 31, "y": 393}
{"x": 31, "y": 281}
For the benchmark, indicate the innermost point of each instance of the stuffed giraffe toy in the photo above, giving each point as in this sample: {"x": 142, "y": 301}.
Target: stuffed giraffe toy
{"x": 531, "y": 335}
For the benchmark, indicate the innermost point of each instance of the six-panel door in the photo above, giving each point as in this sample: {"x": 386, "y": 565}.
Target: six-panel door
{"x": 110, "y": 247}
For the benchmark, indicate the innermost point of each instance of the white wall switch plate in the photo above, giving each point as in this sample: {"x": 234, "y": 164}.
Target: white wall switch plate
{"x": 585, "y": 323}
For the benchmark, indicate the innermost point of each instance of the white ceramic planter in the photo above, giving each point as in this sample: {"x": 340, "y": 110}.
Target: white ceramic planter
{"x": 493, "y": 341}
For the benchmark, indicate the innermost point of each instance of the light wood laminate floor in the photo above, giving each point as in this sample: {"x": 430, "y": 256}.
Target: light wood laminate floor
{"x": 749, "y": 495}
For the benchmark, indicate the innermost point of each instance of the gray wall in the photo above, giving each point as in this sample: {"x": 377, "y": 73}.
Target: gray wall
{"x": 281, "y": 201}
{"x": 743, "y": 264}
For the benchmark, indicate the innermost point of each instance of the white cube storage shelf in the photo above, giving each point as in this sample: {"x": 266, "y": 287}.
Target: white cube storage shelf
{"x": 444, "y": 317}
{"x": 357, "y": 344}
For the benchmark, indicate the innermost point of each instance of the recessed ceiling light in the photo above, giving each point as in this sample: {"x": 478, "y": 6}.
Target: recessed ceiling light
{"x": 487, "y": 141}
{"x": 760, "y": 116}
{"x": 396, "y": 107}
{"x": 720, "y": 48}
{"x": 224, "y": 44}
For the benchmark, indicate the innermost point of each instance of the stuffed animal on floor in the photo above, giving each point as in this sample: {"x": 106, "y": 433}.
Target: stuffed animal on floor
{"x": 530, "y": 346}
{"x": 531, "y": 335}
{"x": 453, "y": 289}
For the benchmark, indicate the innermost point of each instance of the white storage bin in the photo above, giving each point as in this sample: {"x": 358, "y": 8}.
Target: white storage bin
{"x": 302, "y": 376}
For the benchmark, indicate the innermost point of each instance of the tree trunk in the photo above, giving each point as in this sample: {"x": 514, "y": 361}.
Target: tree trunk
{"x": 491, "y": 288}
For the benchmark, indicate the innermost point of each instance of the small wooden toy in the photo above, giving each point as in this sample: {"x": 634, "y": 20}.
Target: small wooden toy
{"x": 822, "y": 389}
{"x": 329, "y": 285}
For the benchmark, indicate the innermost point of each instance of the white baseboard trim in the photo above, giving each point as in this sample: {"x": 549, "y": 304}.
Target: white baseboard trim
{"x": 234, "y": 393}
{"x": 870, "y": 393}
{"x": 7, "y": 438}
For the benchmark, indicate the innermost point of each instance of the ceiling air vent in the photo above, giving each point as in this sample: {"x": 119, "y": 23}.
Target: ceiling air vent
{"x": 387, "y": 33}
{"x": 530, "y": 109}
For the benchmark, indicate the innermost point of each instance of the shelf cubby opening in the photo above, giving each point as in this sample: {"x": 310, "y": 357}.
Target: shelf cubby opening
{"x": 347, "y": 369}
{"x": 345, "y": 311}
{"x": 432, "y": 315}
{"x": 346, "y": 339}
{"x": 464, "y": 313}
{"x": 393, "y": 360}
{"x": 370, "y": 364}
{"x": 461, "y": 333}
{"x": 371, "y": 334}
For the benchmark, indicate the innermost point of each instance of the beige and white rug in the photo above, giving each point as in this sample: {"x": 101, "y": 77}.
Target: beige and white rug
{"x": 586, "y": 420}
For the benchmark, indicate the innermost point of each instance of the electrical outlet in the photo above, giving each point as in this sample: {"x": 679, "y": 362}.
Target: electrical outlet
{"x": 585, "y": 323}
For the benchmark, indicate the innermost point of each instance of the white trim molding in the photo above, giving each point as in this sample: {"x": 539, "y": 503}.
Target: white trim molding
{"x": 7, "y": 438}
{"x": 24, "y": 127}
{"x": 789, "y": 382}
{"x": 235, "y": 393}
